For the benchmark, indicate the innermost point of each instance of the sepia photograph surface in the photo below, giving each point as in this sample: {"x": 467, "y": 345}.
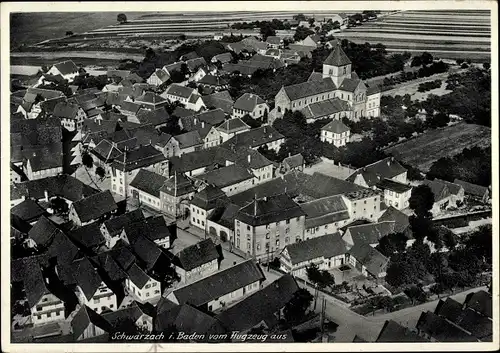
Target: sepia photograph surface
{"x": 249, "y": 176}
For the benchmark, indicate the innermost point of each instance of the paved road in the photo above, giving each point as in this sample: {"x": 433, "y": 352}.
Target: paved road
{"x": 351, "y": 323}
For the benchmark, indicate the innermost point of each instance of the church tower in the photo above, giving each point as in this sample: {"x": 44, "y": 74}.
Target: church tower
{"x": 337, "y": 65}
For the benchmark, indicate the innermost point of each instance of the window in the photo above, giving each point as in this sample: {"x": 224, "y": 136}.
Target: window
{"x": 49, "y": 315}
{"x": 238, "y": 232}
{"x": 287, "y": 221}
{"x": 238, "y": 242}
{"x": 96, "y": 301}
{"x": 287, "y": 239}
{"x": 287, "y": 230}
{"x": 248, "y": 227}
{"x": 58, "y": 313}
{"x": 267, "y": 246}
{"x": 267, "y": 236}
{"x": 365, "y": 202}
{"x": 248, "y": 236}
{"x": 157, "y": 291}
{"x": 39, "y": 317}
{"x": 153, "y": 284}
{"x": 258, "y": 246}
{"x": 248, "y": 245}
{"x": 39, "y": 308}
{"x": 148, "y": 286}
{"x": 326, "y": 227}
{"x": 354, "y": 203}
{"x": 147, "y": 294}
{"x": 277, "y": 242}
{"x": 111, "y": 305}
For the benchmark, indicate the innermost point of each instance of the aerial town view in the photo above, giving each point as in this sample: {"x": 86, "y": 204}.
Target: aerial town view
{"x": 251, "y": 177}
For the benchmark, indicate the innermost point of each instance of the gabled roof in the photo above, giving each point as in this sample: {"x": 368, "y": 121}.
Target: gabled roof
{"x": 449, "y": 309}
{"x": 116, "y": 224}
{"x": 189, "y": 139}
{"x": 226, "y": 176}
{"x": 162, "y": 75}
{"x": 315, "y": 76}
{"x": 370, "y": 258}
{"x": 440, "y": 189}
{"x": 212, "y": 117}
{"x": 149, "y": 182}
{"x": 196, "y": 255}
{"x": 260, "y": 306}
{"x": 208, "y": 197}
{"x": 147, "y": 251}
{"x": 401, "y": 220}
{"x": 350, "y": 84}
{"x": 370, "y": 233}
{"x": 66, "y": 110}
{"x": 233, "y": 126}
{"x": 177, "y": 185}
{"x": 222, "y": 100}
{"x": 42, "y": 232}
{"x": 212, "y": 80}
{"x": 375, "y": 172}
{"x": 388, "y": 184}
{"x": 480, "y": 301}
{"x": 337, "y": 57}
{"x": 157, "y": 228}
{"x": 309, "y": 88}
{"x": 28, "y": 210}
{"x": 442, "y": 330}
{"x": 325, "y": 108}
{"x": 109, "y": 266}
{"x": 138, "y": 276}
{"x": 89, "y": 236}
{"x": 66, "y": 67}
{"x": 248, "y": 101}
{"x": 336, "y": 126}
{"x": 472, "y": 189}
{"x": 86, "y": 316}
{"x": 95, "y": 206}
{"x": 220, "y": 283}
{"x": 392, "y": 332}
{"x": 116, "y": 318}
{"x": 326, "y": 246}
{"x": 150, "y": 98}
{"x": 195, "y": 63}
{"x": 86, "y": 277}
{"x": 268, "y": 210}
{"x": 122, "y": 255}
{"x": 140, "y": 157}
{"x": 319, "y": 185}
{"x": 27, "y": 270}
{"x": 274, "y": 40}
{"x": 223, "y": 58}
{"x": 255, "y": 137}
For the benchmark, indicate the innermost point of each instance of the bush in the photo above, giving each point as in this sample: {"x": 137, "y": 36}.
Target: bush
{"x": 464, "y": 66}
{"x": 428, "y": 86}
{"x": 99, "y": 171}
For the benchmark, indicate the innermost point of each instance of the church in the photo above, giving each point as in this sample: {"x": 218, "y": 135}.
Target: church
{"x": 336, "y": 83}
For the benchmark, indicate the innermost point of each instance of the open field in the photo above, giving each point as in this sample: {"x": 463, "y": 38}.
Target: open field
{"x": 421, "y": 151}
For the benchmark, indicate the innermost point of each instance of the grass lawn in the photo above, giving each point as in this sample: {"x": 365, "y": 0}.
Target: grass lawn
{"x": 421, "y": 151}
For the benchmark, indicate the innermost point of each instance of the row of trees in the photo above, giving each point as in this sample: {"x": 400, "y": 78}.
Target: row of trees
{"x": 428, "y": 86}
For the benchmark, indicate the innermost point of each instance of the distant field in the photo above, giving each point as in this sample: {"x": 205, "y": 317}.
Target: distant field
{"x": 427, "y": 148}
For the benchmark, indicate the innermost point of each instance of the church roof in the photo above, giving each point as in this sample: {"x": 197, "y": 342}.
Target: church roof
{"x": 337, "y": 57}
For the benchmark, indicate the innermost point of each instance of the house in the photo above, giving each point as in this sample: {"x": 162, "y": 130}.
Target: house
{"x": 401, "y": 220}
{"x": 231, "y": 179}
{"x": 370, "y": 175}
{"x": 191, "y": 321}
{"x": 158, "y": 78}
{"x": 141, "y": 286}
{"x": 295, "y": 162}
{"x": 71, "y": 115}
{"x": 31, "y": 105}
{"x": 336, "y": 133}
{"x": 392, "y": 332}
{"x": 261, "y": 309}
{"x": 446, "y": 194}
{"x": 44, "y": 162}
{"x": 151, "y": 100}
{"x": 135, "y": 312}
{"x": 219, "y": 100}
{"x": 437, "y": 329}
{"x": 157, "y": 231}
{"x": 395, "y": 193}
{"x": 368, "y": 260}
{"x": 112, "y": 228}
{"x": 258, "y": 137}
{"x": 221, "y": 222}
{"x": 261, "y": 167}
{"x": 157, "y": 117}
{"x": 195, "y": 63}
{"x": 481, "y": 302}
{"x": 184, "y": 143}
{"x": 324, "y": 216}
{"x": 88, "y": 237}
{"x": 326, "y": 252}
{"x": 334, "y": 108}
{"x": 67, "y": 69}
{"x": 216, "y": 83}
{"x": 221, "y": 288}
{"x": 478, "y": 192}
{"x": 203, "y": 204}
{"x": 218, "y": 36}
{"x": 44, "y": 306}
{"x": 369, "y": 234}
{"x": 90, "y": 288}
{"x": 250, "y": 104}
{"x": 274, "y": 42}
{"x": 87, "y": 324}
{"x": 92, "y": 208}
{"x": 196, "y": 261}
{"x": 313, "y": 40}
{"x": 126, "y": 165}
{"x": 265, "y": 226}
{"x": 222, "y": 58}
{"x": 231, "y": 127}
{"x": 145, "y": 188}
{"x": 28, "y": 210}
{"x": 187, "y": 96}
{"x": 203, "y": 71}
{"x": 212, "y": 117}
{"x": 171, "y": 68}
{"x": 175, "y": 194}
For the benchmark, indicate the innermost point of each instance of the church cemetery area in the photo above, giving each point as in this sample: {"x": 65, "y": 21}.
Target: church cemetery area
{"x": 421, "y": 152}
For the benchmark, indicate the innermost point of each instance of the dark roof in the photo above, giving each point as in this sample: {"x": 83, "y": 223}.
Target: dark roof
{"x": 401, "y": 220}
{"x": 337, "y": 57}
{"x": 140, "y": 157}
{"x": 319, "y": 185}
{"x": 323, "y": 206}
{"x": 442, "y": 330}
{"x": 212, "y": 80}
{"x": 28, "y": 271}
{"x": 162, "y": 75}
{"x": 189, "y": 139}
{"x": 66, "y": 110}
{"x": 350, "y": 84}
{"x": 219, "y": 284}
{"x": 226, "y": 176}
{"x": 392, "y": 332}
{"x": 195, "y": 63}
{"x": 375, "y": 172}
{"x": 116, "y": 318}
{"x": 223, "y": 58}
{"x": 274, "y": 40}
{"x": 177, "y": 185}
{"x": 370, "y": 233}
{"x": 393, "y": 186}
{"x": 270, "y": 209}
{"x": 233, "y": 125}
{"x": 226, "y": 215}
{"x": 66, "y": 67}
{"x": 147, "y": 251}
{"x": 294, "y": 161}
{"x": 138, "y": 276}
{"x": 164, "y": 304}
{"x": 157, "y": 228}
{"x": 84, "y": 317}
{"x": 477, "y": 324}
{"x": 194, "y": 160}
{"x": 255, "y": 137}
{"x": 370, "y": 258}
{"x": 63, "y": 185}
{"x": 180, "y": 91}
{"x": 309, "y": 88}
{"x": 196, "y": 255}
{"x": 154, "y": 117}
{"x": 260, "y": 306}
{"x": 109, "y": 266}
{"x": 472, "y": 189}
{"x": 189, "y": 320}
{"x": 122, "y": 255}
{"x": 481, "y": 302}
{"x": 149, "y": 182}
{"x": 89, "y": 236}
{"x": 150, "y": 98}
{"x": 86, "y": 277}
{"x": 28, "y": 210}
{"x": 213, "y": 117}
{"x": 208, "y": 197}
{"x": 326, "y": 246}
{"x": 42, "y": 232}
{"x": 336, "y": 126}
{"x": 220, "y": 100}
{"x": 325, "y": 108}
{"x": 248, "y": 101}
{"x": 95, "y": 206}
{"x": 449, "y": 309}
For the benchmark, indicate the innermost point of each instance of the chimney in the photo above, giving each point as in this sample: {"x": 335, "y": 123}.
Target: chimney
{"x": 255, "y": 205}
{"x": 289, "y": 154}
{"x": 202, "y": 124}
{"x": 99, "y": 122}
{"x": 249, "y": 158}
{"x": 265, "y": 198}
{"x": 195, "y": 121}
{"x": 388, "y": 162}
{"x": 46, "y": 196}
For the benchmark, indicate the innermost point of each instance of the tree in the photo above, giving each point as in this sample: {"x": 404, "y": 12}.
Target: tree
{"x": 59, "y": 205}
{"x": 414, "y": 293}
{"x": 422, "y": 200}
{"x": 87, "y": 160}
{"x": 299, "y": 17}
{"x": 437, "y": 289}
{"x": 438, "y": 120}
{"x": 486, "y": 66}
{"x": 253, "y": 123}
{"x": 311, "y": 21}
{"x": 302, "y": 33}
{"x": 122, "y": 18}
{"x": 100, "y": 172}
{"x": 69, "y": 33}
{"x": 426, "y": 58}
{"x": 267, "y": 31}
{"x": 336, "y": 25}
{"x": 296, "y": 308}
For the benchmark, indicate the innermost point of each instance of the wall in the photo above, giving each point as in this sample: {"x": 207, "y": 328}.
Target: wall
{"x": 239, "y": 187}
{"x": 103, "y": 299}
{"x": 199, "y": 272}
{"x": 263, "y": 174}
{"x": 198, "y": 217}
{"x": 48, "y": 309}
{"x": 233, "y": 296}
{"x": 373, "y": 105}
{"x": 145, "y": 198}
{"x": 326, "y": 228}
{"x": 150, "y": 292}
{"x": 91, "y": 331}
{"x": 399, "y": 201}
{"x": 366, "y": 208}
{"x": 337, "y": 73}
{"x": 304, "y": 102}
{"x": 215, "y": 229}
{"x": 337, "y": 140}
